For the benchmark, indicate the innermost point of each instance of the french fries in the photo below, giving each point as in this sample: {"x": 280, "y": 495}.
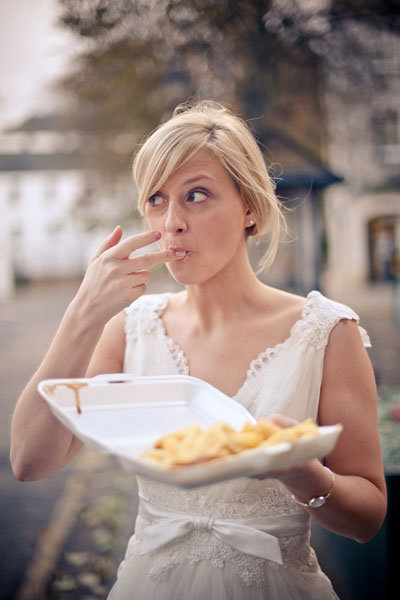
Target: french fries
{"x": 192, "y": 445}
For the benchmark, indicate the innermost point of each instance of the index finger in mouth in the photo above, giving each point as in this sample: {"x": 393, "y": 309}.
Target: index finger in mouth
{"x": 151, "y": 259}
{"x": 134, "y": 242}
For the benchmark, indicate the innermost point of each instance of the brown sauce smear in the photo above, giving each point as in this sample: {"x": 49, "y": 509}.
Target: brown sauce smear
{"x": 72, "y": 385}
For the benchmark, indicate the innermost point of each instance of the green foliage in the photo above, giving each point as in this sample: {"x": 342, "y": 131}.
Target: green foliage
{"x": 389, "y": 426}
{"x": 146, "y": 57}
{"x": 263, "y": 57}
{"x": 106, "y": 511}
{"x": 88, "y": 565}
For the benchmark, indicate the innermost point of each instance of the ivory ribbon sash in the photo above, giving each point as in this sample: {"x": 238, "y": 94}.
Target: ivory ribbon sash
{"x": 258, "y": 537}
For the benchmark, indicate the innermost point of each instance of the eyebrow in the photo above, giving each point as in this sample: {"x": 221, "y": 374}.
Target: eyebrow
{"x": 191, "y": 180}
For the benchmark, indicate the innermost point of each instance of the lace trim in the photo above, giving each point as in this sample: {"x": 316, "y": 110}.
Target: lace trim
{"x": 197, "y": 545}
{"x": 318, "y": 317}
{"x": 257, "y": 365}
{"x": 365, "y": 337}
{"x": 177, "y": 354}
{"x": 240, "y": 498}
{"x": 143, "y": 316}
{"x": 247, "y": 499}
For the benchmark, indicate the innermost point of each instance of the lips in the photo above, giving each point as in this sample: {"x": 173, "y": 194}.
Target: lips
{"x": 180, "y": 253}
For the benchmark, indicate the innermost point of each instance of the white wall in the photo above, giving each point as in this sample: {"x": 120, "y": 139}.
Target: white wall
{"x": 347, "y": 218}
{"x": 366, "y": 168}
{"x": 41, "y": 236}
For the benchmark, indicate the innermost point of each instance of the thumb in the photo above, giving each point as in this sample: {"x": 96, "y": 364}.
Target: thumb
{"x": 110, "y": 241}
{"x": 281, "y": 420}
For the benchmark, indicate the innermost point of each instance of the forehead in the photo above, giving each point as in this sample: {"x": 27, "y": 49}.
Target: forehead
{"x": 202, "y": 164}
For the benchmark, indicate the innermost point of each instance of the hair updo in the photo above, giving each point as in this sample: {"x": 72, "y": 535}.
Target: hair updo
{"x": 209, "y": 126}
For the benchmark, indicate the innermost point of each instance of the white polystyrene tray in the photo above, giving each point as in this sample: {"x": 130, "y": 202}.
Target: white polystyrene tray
{"x": 123, "y": 415}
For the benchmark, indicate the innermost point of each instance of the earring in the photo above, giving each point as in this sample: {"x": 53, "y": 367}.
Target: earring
{"x": 251, "y": 222}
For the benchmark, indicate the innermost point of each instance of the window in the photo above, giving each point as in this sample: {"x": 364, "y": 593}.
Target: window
{"x": 386, "y": 51}
{"x": 385, "y": 128}
{"x": 14, "y": 191}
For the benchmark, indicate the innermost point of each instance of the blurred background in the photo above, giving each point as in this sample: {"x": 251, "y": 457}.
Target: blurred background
{"x": 81, "y": 83}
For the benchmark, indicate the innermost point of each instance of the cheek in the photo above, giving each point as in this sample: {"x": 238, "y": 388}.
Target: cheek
{"x": 229, "y": 225}
{"x": 154, "y": 223}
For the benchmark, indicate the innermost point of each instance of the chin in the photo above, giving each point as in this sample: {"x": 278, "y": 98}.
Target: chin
{"x": 186, "y": 276}
{"x": 186, "y": 279}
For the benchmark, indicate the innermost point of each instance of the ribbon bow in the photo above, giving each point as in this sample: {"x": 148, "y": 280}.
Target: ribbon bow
{"x": 251, "y": 536}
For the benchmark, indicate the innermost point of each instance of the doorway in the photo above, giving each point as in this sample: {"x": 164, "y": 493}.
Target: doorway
{"x": 384, "y": 244}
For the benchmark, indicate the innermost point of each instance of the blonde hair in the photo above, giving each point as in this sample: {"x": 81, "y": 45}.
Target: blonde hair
{"x": 210, "y": 126}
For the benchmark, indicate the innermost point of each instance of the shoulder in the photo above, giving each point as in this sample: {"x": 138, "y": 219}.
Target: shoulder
{"x": 321, "y": 315}
{"x": 142, "y": 315}
{"x": 147, "y": 303}
{"x": 325, "y": 307}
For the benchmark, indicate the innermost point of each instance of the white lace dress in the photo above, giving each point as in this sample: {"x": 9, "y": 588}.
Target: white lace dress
{"x": 197, "y": 564}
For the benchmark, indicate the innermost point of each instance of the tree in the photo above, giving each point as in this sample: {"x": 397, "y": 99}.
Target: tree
{"x": 264, "y": 57}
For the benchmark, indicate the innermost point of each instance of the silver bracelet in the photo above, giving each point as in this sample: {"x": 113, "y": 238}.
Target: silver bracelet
{"x": 318, "y": 500}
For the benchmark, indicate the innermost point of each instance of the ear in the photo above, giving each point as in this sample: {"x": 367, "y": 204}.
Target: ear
{"x": 250, "y": 220}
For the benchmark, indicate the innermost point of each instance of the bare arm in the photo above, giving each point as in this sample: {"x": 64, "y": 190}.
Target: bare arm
{"x": 40, "y": 445}
{"x": 357, "y": 505}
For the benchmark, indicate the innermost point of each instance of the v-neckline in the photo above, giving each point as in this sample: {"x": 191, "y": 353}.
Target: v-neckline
{"x": 256, "y": 365}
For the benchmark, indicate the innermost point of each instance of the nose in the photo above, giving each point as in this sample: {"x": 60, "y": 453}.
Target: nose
{"x": 175, "y": 221}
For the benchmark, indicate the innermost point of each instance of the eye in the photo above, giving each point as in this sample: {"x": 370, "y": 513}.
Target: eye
{"x": 196, "y": 196}
{"x": 155, "y": 200}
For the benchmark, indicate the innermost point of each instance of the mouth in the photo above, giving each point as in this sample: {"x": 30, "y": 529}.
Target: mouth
{"x": 180, "y": 253}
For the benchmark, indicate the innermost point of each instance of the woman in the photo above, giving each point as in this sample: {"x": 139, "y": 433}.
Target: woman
{"x": 204, "y": 189}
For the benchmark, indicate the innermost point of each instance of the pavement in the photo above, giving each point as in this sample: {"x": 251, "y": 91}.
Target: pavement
{"x": 62, "y": 538}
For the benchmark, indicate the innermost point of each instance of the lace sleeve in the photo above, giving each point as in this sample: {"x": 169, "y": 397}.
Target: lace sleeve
{"x": 132, "y": 319}
{"x": 365, "y": 337}
{"x": 142, "y": 315}
{"x": 320, "y": 317}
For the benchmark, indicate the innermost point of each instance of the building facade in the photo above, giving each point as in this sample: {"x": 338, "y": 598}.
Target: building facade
{"x": 50, "y": 221}
{"x": 56, "y": 209}
{"x": 362, "y": 214}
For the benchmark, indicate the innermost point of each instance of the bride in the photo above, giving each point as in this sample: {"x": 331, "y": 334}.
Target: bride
{"x": 204, "y": 190}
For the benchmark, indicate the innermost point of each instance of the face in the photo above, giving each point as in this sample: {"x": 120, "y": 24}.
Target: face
{"x": 202, "y": 217}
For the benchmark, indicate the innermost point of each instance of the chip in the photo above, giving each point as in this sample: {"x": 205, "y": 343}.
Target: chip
{"x": 192, "y": 445}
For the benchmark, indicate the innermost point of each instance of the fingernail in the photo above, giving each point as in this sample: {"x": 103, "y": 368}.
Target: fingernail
{"x": 157, "y": 234}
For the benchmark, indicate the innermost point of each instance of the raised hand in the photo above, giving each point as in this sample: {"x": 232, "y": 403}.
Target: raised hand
{"x": 114, "y": 279}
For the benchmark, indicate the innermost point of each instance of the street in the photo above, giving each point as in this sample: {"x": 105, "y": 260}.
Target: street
{"x": 27, "y": 324}
{"x": 40, "y": 520}
{"x": 67, "y": 533}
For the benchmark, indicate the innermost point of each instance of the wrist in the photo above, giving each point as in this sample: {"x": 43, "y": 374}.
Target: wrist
{"x": 80, "y": 319}
{"x": 307, "y": 481}
{"x": 83, "y": 312}
{"x": 318, "y": 500}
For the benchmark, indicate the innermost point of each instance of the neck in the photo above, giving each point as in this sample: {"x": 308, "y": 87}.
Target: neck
{"x": 226, "y": 297}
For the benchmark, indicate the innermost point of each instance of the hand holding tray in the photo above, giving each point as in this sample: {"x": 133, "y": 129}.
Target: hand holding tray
{"x": 123, "y": 415}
